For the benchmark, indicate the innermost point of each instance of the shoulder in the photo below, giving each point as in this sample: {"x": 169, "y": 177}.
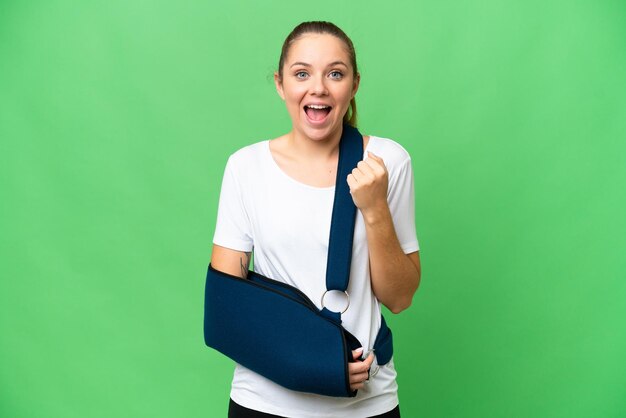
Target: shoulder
{"x": 249, "y": 153}
{"x": 248, "y": 158}
{"x": 393, "y": 154}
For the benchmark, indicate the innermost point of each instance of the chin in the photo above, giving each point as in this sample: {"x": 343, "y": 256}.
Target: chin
{"x": 320, "y": 133}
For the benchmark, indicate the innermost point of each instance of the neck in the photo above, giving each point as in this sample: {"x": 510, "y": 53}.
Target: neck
{"x": 315, "y": 148}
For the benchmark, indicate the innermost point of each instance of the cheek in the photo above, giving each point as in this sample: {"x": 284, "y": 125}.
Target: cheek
{"x": 344, "y": 96}
{"x": 293, "y": 104}
{"x": 293, "y": 97}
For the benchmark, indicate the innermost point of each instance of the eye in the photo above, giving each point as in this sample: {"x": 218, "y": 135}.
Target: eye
{"x": 337, "y": 75}
{"x": 301, "y": 74}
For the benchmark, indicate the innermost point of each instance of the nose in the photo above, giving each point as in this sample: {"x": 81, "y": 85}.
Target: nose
{"x": 319, "y": 86}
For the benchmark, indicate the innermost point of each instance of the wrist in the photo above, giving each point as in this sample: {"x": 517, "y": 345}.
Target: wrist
{"x": 376, "y": 214}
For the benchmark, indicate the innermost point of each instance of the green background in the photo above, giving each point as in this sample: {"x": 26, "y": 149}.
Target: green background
{"x": 116, "y": 120}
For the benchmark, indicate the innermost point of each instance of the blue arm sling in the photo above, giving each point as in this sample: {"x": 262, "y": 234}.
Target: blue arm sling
{"x": 274, "y": 329}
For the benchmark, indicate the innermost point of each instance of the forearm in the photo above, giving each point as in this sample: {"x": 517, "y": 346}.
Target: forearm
{"x": 395, "y": 276}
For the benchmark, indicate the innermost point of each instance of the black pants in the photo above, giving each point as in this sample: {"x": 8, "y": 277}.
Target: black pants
{"x": 237, "y": 411}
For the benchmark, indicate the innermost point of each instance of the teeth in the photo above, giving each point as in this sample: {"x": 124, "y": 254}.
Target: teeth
{"x": 318, "y": 106}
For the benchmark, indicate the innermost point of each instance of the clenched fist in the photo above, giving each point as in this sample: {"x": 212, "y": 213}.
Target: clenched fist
{"x": 368, "y": 183}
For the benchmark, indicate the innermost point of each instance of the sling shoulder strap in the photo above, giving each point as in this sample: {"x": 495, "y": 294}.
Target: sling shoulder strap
{"x": 343, "y": 215}
{"x": 342, "y": 235}
{"x": 344, "y": 212}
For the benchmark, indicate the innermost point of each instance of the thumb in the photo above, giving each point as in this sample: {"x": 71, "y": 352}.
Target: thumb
{"x": 374, "y": 156}
{"x": 356, "y": 354}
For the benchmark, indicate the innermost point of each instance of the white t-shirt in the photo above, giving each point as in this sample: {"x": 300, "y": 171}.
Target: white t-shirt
{"x": 287, "y": 224}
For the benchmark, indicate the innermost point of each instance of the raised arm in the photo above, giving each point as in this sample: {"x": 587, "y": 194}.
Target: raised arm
{"x": 395, "y": 275}
{"x": 230, "y": 261}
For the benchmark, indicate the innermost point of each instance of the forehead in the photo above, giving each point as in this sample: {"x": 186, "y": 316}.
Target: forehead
{"x": 318, "y": 48}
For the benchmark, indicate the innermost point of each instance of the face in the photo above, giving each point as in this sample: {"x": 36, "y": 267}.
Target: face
{"x": 317, "y": 85}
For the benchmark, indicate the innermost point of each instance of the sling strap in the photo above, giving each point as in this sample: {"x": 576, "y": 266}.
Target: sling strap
{"x": 344, "y": 212}
{"x": 342, "y": 235}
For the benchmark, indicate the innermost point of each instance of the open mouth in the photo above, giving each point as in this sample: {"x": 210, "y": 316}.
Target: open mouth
{"x": 317, "y": 113}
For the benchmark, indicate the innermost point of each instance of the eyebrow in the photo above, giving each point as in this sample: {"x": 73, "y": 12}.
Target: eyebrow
{"x": 332, "y": 64}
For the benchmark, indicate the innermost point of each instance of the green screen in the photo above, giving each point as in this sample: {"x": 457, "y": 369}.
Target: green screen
{"x": 116, "y": 120}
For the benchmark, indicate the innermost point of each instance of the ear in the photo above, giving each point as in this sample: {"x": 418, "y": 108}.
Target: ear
{"x": 355, "y": 85}
{"x": 279, "y": 85}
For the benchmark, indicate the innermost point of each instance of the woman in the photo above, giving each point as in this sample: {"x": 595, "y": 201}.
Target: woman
{"x": 277, "y": 197}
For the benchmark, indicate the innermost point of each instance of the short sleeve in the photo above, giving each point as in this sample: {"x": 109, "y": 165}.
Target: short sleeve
{"x": 233, "y": 228}
{"x": 401, "y": 198}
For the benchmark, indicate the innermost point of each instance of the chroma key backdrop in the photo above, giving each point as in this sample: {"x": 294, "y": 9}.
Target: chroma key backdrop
{"x": 116, "y": 121}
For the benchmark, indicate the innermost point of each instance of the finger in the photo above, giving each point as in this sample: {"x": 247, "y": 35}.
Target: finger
{"x": 374, "y": 156}
{"x": 377, "y": 167}
{"x": 366, "y": 167}
{"x": 358, "y": 175}
{"x": 377, "y": 163}
{"x": 358, "y": 378}
{"x": 361, "y": 366}
{"x": 374, "y": 166}
{"x": 358, "y": 367}
{"x": 357, "y": 353}
{"x": 352, "y": 183}
{"x": 357, "y": 386}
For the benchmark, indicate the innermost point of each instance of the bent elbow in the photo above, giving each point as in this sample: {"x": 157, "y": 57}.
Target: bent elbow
{"x": 404, "y": 298}
{"x": 401, "y": 306}
{"x": 403, "y": 303}
{"x": 396, "y": 310}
